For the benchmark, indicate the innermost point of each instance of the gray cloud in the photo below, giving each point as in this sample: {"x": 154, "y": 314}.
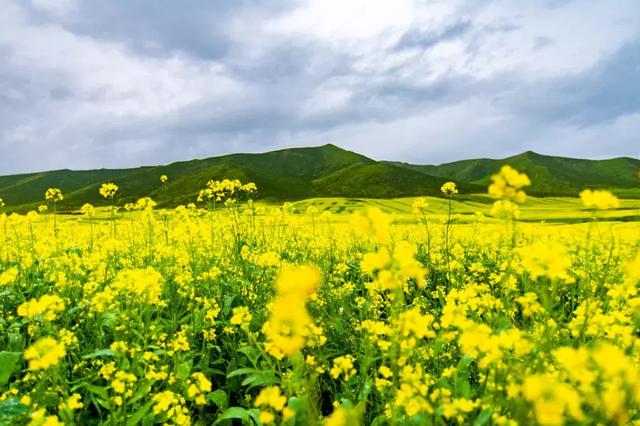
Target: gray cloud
{"x": 124, "y": 83}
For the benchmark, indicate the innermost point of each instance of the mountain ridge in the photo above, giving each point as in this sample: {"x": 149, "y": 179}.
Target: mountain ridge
{"x": 320, "y": 171}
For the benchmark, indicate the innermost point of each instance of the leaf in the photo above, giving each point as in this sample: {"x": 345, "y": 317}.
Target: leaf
{"x": 220, "y": 398}
{"x": 12, "y": 408}
{"x": 140, "y": 393}
{"x": 97, "y": 390}
{"x": 265, "y": 378}
{"x": 241, "y": 372}
{"x": 380, "y": 420}
{"x": 233, "y": 413}
{"x": 254, "y": 413}
{"x": 461, "y": 377}
{"x": 483, "y": 417}
{"x": 138, "y": 415}
{"x": 250, "y": 352}
{"x": 183, "y": 370}
{"x": 99, "y": 353}
{"x": 227, "y": 304}
{"x": 8, "y": 363}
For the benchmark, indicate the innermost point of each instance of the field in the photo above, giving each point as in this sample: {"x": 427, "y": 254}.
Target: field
{"x": 336, "y": 311}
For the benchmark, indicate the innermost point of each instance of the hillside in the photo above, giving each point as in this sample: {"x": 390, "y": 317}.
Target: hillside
{"x": 324, "y": 171}
{"x": 550, "y": 175}
{"x": 287, "y": 174}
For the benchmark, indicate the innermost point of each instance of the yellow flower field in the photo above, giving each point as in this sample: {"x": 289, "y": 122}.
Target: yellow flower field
{"x": 233, "y": 312}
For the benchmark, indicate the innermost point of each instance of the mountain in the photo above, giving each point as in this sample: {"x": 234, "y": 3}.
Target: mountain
{"x": 323, "y": 171}
{"x": 287, "y": 174}
{"x": 550, "y": 175}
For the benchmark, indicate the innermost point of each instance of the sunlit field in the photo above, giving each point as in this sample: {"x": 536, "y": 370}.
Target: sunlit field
{"x": 489, "y": 309}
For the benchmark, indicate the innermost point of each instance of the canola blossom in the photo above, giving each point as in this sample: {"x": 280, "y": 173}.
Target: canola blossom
{"x": 229, "y": 311}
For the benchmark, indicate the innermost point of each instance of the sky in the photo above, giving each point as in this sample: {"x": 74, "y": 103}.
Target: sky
{"x": 122, "y": 83}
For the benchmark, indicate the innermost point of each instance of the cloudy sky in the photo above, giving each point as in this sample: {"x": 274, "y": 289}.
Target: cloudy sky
{"x": 107, "y": 83}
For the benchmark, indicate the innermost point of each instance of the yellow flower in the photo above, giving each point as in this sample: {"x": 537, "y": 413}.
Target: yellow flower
{"x": 271, "y": 397}
{"x": 145, "y": 203}
{"x": 44, "y": 353}
{"x": 375, "y": 261}
{"x": 412, "y": 322}
{"x": 546, "y": 258}
{"x": 108, "y": 190}
{"x": 88, "y": 210}
{"x": 9, "y": 276}
{"x": 343, "y": 366}
{"x": 164, "y": 178}
{"x": 266, "y": 417}
{"x": 508, "y": 183}
{"x": 632, "y": 269}
{"x": 289, "y": 321}
{"x": 241, "y": 316}
{"x": 74, "y": 402}
{"x": 372, "y": 222}
{"x": 420, "y": 205}
{"x": 46, "y": 307}
{"x": 53, "y": 194}
{"x": 599, "y": 199}
{"x": 552, "y": 399}
{"x": 339, "y": 417}
{"x": 505, "y": 209}
{"x": 449, "y": 189}
{"x": 198, "y": 388}
{"x": 40, "y": 418}
{"x": 142, "y": 284}
{"x": 172, "y": 405}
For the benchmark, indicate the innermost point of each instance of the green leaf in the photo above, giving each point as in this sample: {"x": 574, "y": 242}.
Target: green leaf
{"x": 259, "y": 380}
{"x": 227, "y": 304}
{"x": 461, "y": 377}
{"x": 250, "y": 352}
{"x": 140, "y": 393}
{"x": 254, "y": 413}
{"x": 8, "y": 363}
{"x": 379, "y": 421}
{"x": 99, "y": 353}
{"x": 183, "y": 370}
{"x": 233, "y": 413}
{"x": 138, "y": 415}
{"x": 483, "y": 417}
{"x": 97, "y": 390}
{"x": 241, "y": 372}
{"x": 12, "y": 408}
{"x": 220, "y": 398}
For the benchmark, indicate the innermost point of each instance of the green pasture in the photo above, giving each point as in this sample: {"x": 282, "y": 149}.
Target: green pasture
{"x": 464, "y": 209}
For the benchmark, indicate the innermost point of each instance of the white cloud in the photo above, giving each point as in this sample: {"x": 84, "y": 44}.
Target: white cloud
{"x": 340, "y": 22}
{"x": 424, "y": 80}
{"x": 58, "y": 8}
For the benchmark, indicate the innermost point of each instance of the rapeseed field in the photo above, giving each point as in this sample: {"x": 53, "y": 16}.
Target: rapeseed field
{"x": 227, "y": 311}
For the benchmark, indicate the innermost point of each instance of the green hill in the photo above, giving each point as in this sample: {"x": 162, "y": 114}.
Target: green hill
{"x": 288, "y": 174}
{"x": 324, "y": 171}
{"x": 557, "y": 176}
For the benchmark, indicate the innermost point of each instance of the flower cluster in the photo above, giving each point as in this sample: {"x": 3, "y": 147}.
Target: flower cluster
{"x": 46, "y": 352}
{"x": 46, "y": 307}
{"x": 221, "y": 190}
{"x": 53, "y": 195}
{"x": 599, "y": 199}
{"x": 108, "y": 190}
{"x": 289, "y": 321}
{"x": 449, "y": 189}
